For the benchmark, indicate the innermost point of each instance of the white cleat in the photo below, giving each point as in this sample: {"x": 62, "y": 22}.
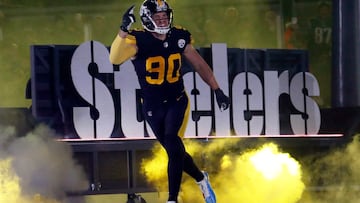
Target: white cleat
{"x": 208, "y": 192}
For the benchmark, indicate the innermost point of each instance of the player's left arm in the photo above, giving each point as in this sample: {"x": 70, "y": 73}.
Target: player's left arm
{"x": 200, "y": 66}
{"x": 207, "y": 75}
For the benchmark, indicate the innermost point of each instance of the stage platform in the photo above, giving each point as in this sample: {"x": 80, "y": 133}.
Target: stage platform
{"x": 113, "y": 165}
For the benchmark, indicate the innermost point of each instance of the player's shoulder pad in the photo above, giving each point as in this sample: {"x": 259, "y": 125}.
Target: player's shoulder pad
{"x": 136, "y": 30}
{"x": 135, "y": 33}
{"x": 180, "y": 30}
{"x": 130, "y": 38}
{"x": 179, "y": 27}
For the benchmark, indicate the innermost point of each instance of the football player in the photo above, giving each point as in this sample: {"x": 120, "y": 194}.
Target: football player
{"x": 156, "y": 52}
{"x": 319, "y": 45}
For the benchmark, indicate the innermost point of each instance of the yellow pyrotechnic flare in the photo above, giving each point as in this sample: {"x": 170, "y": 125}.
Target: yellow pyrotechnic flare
{"x": 155, "y": 168}
{"x": 10, "y": 189}
{"x": 41, "y": 199}
{"x": 260, "y": 175}
{"x": 28, "y": 171}
{"x": 225, "y": 162}
{"x": 271, "y": 163}
{"x": 9, "y": 183}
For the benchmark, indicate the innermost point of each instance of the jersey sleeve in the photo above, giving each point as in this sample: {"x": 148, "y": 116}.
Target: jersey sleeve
{"x": 186, "y": 34}
{"x": 191, "y": 39}
{"x": 122, "y": 49}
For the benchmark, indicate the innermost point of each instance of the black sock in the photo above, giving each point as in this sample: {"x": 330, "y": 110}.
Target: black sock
{"x": 172, "y": 198}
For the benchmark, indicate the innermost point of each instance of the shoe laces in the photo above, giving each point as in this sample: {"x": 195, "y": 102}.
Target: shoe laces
{"x": 204, "y": 187}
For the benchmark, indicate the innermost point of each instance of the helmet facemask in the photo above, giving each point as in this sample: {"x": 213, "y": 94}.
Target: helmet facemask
{"x": 148, "y": 9}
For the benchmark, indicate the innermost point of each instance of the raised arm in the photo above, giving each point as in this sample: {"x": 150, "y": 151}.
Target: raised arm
{"x": 122, "y": 47}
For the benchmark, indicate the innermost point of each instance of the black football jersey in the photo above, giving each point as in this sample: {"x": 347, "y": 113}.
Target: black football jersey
{"x": 320, "y": 37}
{"x": 158, "y": 62}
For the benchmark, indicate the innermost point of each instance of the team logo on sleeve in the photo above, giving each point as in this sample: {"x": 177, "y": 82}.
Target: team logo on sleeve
{"x": 181, "y": 43}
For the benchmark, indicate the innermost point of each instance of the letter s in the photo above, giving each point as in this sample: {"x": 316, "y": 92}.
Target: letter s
{"x": 302, "y": 86}
{"x": 86, "y": 57}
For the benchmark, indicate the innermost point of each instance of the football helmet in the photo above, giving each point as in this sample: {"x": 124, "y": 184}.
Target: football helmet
{"x": 150, "y": 7}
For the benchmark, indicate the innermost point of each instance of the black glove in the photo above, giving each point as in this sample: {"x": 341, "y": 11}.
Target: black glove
{"x": 128, "y": 19}
{"x": 222, "y": 100}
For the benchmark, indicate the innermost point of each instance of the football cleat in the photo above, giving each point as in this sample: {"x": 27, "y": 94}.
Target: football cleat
{"x": 208, "y": 192}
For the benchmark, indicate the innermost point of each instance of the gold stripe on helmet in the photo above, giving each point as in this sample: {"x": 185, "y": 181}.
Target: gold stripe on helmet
{"x": 159, "y": 2}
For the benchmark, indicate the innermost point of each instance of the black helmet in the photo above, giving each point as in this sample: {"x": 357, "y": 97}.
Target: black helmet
{"x": 150, "y": 7}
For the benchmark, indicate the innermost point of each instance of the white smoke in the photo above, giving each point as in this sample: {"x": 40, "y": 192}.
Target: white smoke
{"x": 44, "y": 166}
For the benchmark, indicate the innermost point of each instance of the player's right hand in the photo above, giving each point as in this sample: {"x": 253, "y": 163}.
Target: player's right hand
{"x": 128, "y": 19}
